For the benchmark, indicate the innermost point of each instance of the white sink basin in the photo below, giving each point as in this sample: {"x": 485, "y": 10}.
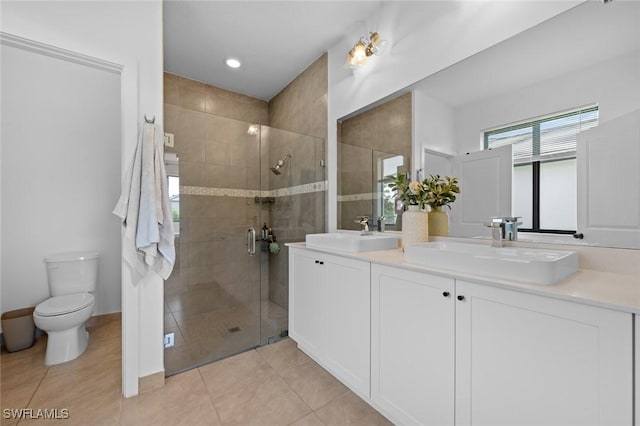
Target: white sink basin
{"x": 352, "y": 241}
{"x": 536, "y": 266}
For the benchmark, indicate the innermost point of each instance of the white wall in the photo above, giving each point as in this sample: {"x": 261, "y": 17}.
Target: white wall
{"x": 424, "y": 37}
{"x": 433, "y": 128}
{"x": 123, "y": 32}
{"x": 614, "y": 85}
{"x": 60, "y": 173}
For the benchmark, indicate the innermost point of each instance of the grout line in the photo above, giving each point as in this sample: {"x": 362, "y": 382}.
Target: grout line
{"x": 213, "y": 404}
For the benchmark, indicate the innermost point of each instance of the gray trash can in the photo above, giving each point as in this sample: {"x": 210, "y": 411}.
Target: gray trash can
{"x": 18, "y": 329}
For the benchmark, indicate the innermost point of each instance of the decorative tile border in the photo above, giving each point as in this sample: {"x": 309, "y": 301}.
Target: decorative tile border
{"x": 359, "y": 197}
{"x": 252, "y": 193}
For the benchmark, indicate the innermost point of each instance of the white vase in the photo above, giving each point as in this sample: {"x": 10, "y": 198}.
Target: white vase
{"x": 415, "y": 226}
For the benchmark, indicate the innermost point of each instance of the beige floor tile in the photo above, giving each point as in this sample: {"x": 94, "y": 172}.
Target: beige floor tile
{"x": 108, "y": 326}
{"x": 183, "y": 400}
{"x": 20, "y": 374}
{"x": 92, "y": 395}
{"x": 313, "y": 384}
{"x": 283, "y": 355}
{"x": 349, "y": 409}
{"x": 309, "y": 420}
{"x": 262, "y": 402}
{"x": 98, "y": 352}
{"x": 236, "y": 373}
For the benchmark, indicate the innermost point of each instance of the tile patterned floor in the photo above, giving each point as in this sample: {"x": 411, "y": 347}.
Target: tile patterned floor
{"x": 272, "y": 385}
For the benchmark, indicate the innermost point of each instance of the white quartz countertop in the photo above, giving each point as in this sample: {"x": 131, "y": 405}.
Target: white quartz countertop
{"x": 609, "y": 290}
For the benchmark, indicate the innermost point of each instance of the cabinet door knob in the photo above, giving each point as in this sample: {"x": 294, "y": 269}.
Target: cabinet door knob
{"x": 461, "y": 297}
{"x": 445, "y": 293}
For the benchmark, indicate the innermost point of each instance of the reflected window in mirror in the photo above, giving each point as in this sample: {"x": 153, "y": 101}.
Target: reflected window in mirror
{"x": 544, "y": 191}
{"x": 386, "y": 207}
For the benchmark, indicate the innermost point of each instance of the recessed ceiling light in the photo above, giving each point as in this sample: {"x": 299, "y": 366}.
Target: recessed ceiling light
{"x": 233, "y": 63}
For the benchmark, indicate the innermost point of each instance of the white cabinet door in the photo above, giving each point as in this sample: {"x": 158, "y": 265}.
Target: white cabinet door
{"x": 329, "y": 314}
{"x": 412, "y": 343}
{"x": 307, "y": 322}
{"x": 609, "y": 182}
{"x": 523, "y": 359}
{"x": 347, "y": 309}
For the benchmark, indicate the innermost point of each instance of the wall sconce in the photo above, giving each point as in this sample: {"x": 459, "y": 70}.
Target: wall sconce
{"x": 365, "y": 47}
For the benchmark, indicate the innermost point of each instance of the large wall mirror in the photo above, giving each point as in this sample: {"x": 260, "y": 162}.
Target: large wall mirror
{"x": 579, "y": 71}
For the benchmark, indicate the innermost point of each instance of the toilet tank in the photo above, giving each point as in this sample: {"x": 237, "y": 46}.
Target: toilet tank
{"x": 70, "y": 273}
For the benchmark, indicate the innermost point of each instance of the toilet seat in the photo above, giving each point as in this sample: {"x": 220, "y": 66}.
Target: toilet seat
{"x": 61, "y": 305}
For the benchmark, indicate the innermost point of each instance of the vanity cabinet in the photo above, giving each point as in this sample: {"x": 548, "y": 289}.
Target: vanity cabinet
{"x": 436, "y": 350}
{"x": 412, "y": 346}
{"x": 329, "y": 314}
{"x": 523, "y": 359}
{"x": 445, "y": 349}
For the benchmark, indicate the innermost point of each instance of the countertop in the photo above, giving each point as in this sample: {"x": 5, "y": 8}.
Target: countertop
{"x": 609, "y": 290}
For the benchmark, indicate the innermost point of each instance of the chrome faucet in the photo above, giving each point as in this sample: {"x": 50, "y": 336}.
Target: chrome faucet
{"x": 364, "y": 224}
{"x": 511, "y": 228}
{"x": 503, "y": 228}
{"x": 497, "y": 226}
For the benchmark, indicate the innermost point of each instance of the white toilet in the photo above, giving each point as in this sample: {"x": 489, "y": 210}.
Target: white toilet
{"x": 72, "y": 277}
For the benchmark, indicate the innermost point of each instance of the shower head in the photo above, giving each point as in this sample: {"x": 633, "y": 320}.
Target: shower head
{"x": 276, "y": 169}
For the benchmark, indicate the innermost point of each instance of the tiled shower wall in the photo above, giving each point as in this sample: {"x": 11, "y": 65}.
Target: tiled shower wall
{"x": 361, "y": 139}
{"x": 301, "y": 107}
{"x": 215, "y": 151}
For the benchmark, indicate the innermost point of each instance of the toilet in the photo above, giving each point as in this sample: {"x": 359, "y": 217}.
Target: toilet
{"x": 72, "y": 278}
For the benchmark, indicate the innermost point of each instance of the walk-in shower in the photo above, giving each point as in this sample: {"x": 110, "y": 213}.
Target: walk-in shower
{"x": 228, "y": 294}
{"x": 276, "y": 169}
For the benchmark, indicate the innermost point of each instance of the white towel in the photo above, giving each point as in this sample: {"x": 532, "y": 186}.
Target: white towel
{"x": 145, "y": 209}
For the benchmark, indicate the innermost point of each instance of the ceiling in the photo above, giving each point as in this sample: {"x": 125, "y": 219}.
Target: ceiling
{"x": 275, "y": 40}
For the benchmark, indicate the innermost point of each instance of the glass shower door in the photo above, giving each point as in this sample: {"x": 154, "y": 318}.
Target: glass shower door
{"x": 212, "y": 299}
{"x": 229, "y": 291}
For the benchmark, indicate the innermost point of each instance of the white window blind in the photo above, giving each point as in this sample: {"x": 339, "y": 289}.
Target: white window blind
{"x": 544, "y": 139}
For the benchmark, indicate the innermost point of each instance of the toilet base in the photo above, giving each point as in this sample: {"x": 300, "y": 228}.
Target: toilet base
{"x": 66, "y": 345}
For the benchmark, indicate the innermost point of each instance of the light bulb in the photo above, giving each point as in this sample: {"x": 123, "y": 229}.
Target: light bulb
{"x": 377, "y": 45}
{"x": 360, "y": 54}
{"x": 233, "y": 63}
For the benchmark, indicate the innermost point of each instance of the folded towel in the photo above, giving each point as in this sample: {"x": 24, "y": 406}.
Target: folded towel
{"x": 145, "y": 209}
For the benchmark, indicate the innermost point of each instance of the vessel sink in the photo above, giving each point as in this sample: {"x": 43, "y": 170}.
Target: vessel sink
{"x": 535, "y": 266}
{"x": 352, "y": 241}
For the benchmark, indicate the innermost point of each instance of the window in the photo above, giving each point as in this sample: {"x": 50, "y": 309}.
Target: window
{"x": 544, "y": 188}
{"x": 387, "y": 169}
{"x": 174, "y": 196}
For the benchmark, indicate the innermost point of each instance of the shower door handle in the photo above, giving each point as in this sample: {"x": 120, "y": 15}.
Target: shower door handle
{"x": 251, "y": 241}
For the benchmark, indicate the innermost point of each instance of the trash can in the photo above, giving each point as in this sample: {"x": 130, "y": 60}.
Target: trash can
{"x": 18, "y": 329}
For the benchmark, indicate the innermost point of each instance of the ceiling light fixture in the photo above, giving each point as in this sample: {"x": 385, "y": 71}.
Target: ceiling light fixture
{"x": 365, "y": 47}
{"x": 233, "y": 63}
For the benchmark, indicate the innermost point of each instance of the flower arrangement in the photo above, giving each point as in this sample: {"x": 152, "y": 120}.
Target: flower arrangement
{"x": 440, "y": 191}
{"x": 411, "y": 193}
{"x": 433, "y": 191}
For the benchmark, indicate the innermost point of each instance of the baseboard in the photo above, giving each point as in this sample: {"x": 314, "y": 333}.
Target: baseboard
{"x": 151, "y": 382}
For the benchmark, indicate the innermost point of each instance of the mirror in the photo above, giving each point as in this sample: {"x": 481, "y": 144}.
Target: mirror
{"x": 589, "y": 55}
{"x": 371, "y": 146}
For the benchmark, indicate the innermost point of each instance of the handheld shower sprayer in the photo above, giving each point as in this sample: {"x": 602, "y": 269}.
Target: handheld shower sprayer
{"x": 279, "y": 164}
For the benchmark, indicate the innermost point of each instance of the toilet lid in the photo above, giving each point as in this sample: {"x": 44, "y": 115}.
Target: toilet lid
{"x": 60, "y": 305}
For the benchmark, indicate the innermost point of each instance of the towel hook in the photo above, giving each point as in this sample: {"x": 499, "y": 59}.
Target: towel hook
{"x": 150, "y": 120}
